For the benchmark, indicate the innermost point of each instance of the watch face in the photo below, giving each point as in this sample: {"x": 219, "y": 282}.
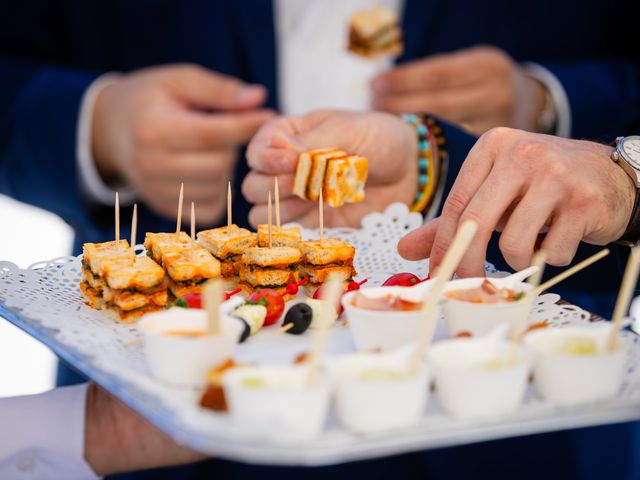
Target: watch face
{"x": 631, "y": 149}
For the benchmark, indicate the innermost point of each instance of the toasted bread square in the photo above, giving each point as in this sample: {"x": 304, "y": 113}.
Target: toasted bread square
{"x": 227, "y": 241}
{"x": 332, "y": 250}
{"x": 318, "y": 171}
{"x": 161, "y": 243}
{"x": 194, "y": 263}
{"x": 303, "y": 170}
{"x": 320, "y": 274}
{"x": 257, "y": 276}
{"x": 271, "y": 257}
{"x": 283, "y": 237}
{"x": 142, "y": 273}
{"x": 96, "y": 255}
{"x": 356, "y": 178}
{"x": 179, "y": 290}
{"x": 335, "y": 183}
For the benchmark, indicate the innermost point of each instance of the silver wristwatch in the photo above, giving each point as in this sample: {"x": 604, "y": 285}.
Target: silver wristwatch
{"x": 627, "y": 155}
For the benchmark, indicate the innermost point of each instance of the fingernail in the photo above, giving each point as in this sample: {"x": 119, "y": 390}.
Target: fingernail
{"x": 380, "y": 85}
{"x": 249, "y": 93}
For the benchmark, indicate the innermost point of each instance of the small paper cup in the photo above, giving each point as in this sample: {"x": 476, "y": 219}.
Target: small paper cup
{"x": 477, "y": 378}
{"x": 375, "y": 392}
{"x": 277, "y": 402}
{"x": 479, "y": 319}
{"x": 182, "y": 360}
{"x": 572, "y": 379}
{"x": 381, "y": 330}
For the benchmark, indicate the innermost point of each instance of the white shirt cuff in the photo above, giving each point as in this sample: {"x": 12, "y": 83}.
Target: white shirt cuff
{"x": 91, "y": 182}
{"x": 558, "y": 96}
{"x": 43, "y": 435}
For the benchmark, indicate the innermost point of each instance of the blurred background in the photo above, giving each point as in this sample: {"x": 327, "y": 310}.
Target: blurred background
{"x": 27, "y": 366}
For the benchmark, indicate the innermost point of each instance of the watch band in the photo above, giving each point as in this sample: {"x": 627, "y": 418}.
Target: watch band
{"x": 631, "y": 235}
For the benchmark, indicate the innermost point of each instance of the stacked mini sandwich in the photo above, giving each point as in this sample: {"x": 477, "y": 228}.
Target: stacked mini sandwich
{"x": 227, "y": 244}
{"x": 116, "y": 280}
{"x": 375, "y": 33}
{"x": 339, "y": 176}
{"x": 264, "y": 267}
{"x": 188, "y": 264}
{"x": 322, "y": 258}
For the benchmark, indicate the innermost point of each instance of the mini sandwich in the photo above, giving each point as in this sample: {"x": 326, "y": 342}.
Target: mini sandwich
{"x": 270, "y": 268}
{"x": 375, "y": 33}
{"x": 228, "y": 244}
{"x": 188, "y": 265}
{"x": 124, "y": 285}
{"x": 159, "y": 244}
{"x": 280, "y": 237}
{"x": 188, "y": 269}
{"x": 319, "y": 260}
{"x": 340, "y": 177}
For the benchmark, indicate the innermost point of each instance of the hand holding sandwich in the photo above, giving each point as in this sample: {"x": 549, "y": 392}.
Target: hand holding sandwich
{"x": 389, "y": 143}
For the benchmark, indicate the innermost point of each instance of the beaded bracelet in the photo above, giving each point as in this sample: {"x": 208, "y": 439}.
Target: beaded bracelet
{"x": 431, "y": 149}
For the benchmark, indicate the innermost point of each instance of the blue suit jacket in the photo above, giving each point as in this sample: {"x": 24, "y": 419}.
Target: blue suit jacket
{"x": 51, "y": 51}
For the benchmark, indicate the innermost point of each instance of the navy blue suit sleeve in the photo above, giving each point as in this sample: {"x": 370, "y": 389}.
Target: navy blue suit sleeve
{"x": 38, "y": 119}
{"x": 459, "y": 143}
{"x": 604, "y": 97}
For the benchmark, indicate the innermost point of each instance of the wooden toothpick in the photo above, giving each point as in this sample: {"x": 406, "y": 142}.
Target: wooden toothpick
{"x": 134, "y": 230}
{"x": 568, "y": 272}
{"x": 229, "y": 218}
{"x": 193, "y": 221}
{"x": 117, "y": 218}
{"x": 269, "y": 219}
{"x": 286, "y": 328}
{"x": 520, "y": 325}
{"x": 179, "y": 219}
{"x": 452, "y": 258}
{"x": 321, "y": 218}
{"x": 277, "y": 193}
{"x": 212, "y": 297}
{"x": 330, "y": 297}
{"x": 624, "y": 297}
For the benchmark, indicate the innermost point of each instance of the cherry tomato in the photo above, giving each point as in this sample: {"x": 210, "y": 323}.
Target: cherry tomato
{"x": 272, "y": 300}
{"x": 401, "y": 280}
{"x": 193, "y": 300}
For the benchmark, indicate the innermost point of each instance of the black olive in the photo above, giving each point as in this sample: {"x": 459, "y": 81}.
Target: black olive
{"x": 300, "y": 315}
{"x": 246, "y": 330}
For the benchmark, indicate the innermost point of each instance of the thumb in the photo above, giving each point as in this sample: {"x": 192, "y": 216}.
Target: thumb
{"x": 210, "y": 90}
{"x": 417, "y": 244}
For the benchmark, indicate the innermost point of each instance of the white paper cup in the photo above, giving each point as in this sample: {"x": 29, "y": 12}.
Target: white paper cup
{"x": 277, "y": 402}
{"x": 479, "y": 319}
{"x": 183, "y": 360}
{"x": 381, "y": 330}
{"x": 570, "y": 379}
{"x": 366, "y": 404}
{"x": 478, "y": 377}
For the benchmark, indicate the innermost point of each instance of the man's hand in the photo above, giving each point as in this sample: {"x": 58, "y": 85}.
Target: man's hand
{"x": 524, "y": 185}
{"x": 479, "y": 87}
{"x": 157, "y": 127}
{"x": 389, "y": 143}
{"x": 119, "y": 440}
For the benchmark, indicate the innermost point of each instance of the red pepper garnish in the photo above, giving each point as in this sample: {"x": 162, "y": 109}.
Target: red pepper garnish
{"x": 228, "y": 295}
{"x": 292, "y": 288}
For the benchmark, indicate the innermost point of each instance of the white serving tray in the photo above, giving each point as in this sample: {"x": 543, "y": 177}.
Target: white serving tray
{"x": 44, "y": 301}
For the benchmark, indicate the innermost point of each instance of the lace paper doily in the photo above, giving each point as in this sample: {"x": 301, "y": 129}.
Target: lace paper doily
{"x": 44, "y": 300}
